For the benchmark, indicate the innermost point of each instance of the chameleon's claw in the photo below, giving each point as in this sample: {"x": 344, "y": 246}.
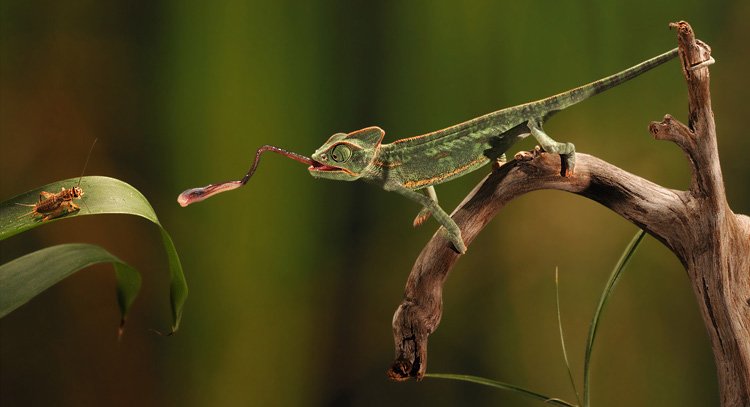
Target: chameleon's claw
{"x": 460, "y": 247}
{"x": 570, "y": 164}
{"x": 458, "y": 242}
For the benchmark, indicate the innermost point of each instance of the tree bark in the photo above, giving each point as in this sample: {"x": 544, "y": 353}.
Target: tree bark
{"x": 710, "y": 240}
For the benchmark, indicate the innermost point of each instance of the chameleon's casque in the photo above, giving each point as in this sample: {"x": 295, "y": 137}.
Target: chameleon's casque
{"x": 347, "y": 157}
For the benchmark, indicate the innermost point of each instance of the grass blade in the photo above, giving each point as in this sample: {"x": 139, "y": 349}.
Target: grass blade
{"x": 613, "y": 279}
{"x": 102, "y": 195}
{"x": 500, "y": 385}
{"x": 25, "y": 277}
{"x": 562, "y": 338}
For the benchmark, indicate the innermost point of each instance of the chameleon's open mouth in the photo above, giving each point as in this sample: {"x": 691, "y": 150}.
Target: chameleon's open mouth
{"x": 316, "y": 166}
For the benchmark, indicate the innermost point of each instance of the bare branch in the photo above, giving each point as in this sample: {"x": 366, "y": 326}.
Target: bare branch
{"x": 697, "y": 225}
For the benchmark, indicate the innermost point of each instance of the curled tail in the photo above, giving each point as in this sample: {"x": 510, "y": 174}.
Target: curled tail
{"x": 560, "y": 101}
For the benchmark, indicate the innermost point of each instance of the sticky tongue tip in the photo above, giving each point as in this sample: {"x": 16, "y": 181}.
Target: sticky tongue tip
{"x": 194, "y": 195}
{"x": 184, "y": 198}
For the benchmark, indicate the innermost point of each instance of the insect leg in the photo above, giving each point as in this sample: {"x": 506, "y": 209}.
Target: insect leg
{"x": 59, "y": 211}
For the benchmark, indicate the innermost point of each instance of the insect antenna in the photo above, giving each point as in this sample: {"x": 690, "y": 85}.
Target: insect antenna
{"x": 27, "y": 213}
{"x": 88, "y": 156}
{"x": 86, "y": 205}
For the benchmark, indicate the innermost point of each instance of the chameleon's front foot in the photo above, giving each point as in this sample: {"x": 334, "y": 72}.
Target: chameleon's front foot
{"x": 566, "y": 150}
{"x": 458, "y": 242}
{"x": 431, "y": 206}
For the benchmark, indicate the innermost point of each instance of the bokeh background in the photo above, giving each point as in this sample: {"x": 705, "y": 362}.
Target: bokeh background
{"x": 293, "y": 281}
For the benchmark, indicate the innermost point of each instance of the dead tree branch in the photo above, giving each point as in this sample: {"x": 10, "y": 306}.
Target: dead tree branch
{"x": 710, "y": 240}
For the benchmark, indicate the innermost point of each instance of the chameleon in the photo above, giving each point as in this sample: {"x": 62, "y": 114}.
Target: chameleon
{"x": 409, "y": 165}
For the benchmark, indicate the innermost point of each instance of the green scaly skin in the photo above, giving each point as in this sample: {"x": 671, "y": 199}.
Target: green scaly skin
{"x": 408, "y": 165}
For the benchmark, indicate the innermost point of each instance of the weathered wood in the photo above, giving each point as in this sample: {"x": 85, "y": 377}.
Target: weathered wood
{"x": 697, "y": 225}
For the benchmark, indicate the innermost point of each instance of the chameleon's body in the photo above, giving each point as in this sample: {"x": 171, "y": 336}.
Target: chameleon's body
{"x": 408, "y": 165}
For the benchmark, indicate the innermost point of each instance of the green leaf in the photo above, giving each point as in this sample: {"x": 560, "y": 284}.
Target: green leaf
{"x": 102, "y": 195}
{"x": 562, "y": 338}
{"x": 502, "y": 386}
{"x": 613, "y": 279}
{"x": 25, "y": 277}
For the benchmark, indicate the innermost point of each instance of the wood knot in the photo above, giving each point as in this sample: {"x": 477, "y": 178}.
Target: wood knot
{"x": 658, "y": 129}
{"x": 524, "y": 156}
{"x": 671, "y": 129}
{"x": 683, "y": 27}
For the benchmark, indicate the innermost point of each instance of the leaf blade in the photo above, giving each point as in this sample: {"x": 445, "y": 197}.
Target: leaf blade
{"x": 502, "y": 386}
{"x": 178, "y": 289}
{"x": 102, "y": 195}
{"x": 24, "y": 278}
{"x": 614, "y": 277}
{"x": 562, "y": 338}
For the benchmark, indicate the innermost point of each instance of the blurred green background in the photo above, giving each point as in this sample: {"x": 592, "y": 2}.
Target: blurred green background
{"x": 294, "y": 281}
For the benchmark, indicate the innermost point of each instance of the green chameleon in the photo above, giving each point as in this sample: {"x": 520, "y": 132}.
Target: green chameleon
{"x": 409, "y": 165}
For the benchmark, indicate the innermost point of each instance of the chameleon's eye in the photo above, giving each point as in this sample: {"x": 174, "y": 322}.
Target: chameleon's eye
{"x": 341, "y": 153}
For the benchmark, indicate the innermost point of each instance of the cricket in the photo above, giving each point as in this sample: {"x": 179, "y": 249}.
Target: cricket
{"x": 409, "y": 165}
{"x": 53, "y": 205}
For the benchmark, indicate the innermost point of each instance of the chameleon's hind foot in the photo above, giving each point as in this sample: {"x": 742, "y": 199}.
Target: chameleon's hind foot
{"x": 566, "y": 150}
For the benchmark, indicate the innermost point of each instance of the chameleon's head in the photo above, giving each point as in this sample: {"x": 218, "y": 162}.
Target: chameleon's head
{"x": 345, "y": 157}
